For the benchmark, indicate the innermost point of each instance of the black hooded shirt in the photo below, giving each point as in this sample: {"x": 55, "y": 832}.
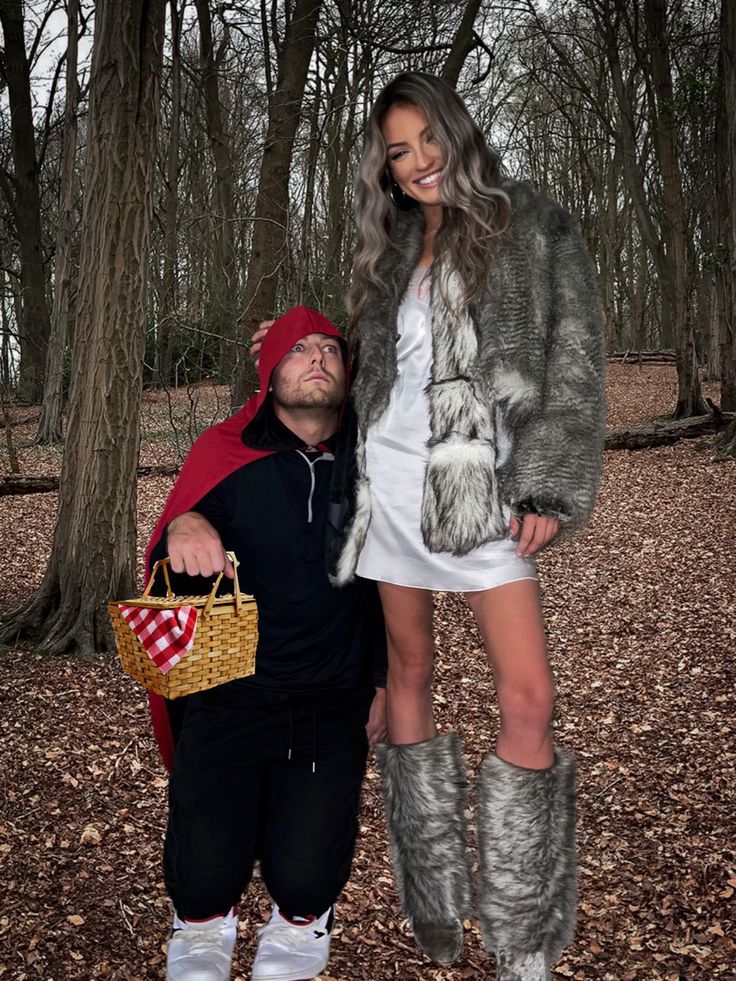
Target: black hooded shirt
{"x": 272, "y": 513}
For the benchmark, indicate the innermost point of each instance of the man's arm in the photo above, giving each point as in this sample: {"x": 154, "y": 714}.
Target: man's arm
{"x": 374, "y": 637}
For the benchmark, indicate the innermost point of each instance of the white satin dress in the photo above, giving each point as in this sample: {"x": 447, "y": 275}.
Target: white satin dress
{"x": 396, "y": 460}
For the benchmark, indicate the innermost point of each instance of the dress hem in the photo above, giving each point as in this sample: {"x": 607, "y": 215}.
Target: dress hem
{"x": 441, "y": 589}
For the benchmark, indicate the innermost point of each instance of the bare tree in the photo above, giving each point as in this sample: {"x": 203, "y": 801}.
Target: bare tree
{"x": 169, "y": 288}
{"x": 690, "y": 401}
{"x": 93, "y": 554}
{"x": 725, "y": 197}
{"x": 34, "y": 326}
{"x": 634, "y": 38}
{"x": 50, "y": 426}
{"x": 269, "y": 241}
{"x": 463, "y": 43}
{"x": 224, "y": 270}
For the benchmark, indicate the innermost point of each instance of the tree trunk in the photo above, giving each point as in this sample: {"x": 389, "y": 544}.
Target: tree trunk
{"x": 332, "y": 301}
{"x": 34, "y": 325}
{"x": 268, "y": 246}
{"x": 312, "y": 156}
{"x": 49, "y": 428}
{"x": 690, "y": 401}
{"x": 167, "y": 309}
{"x": 5, "y": 357}
{"x": 725, "y": 442}
{"x": 634, "y": 173}
{"x": 93, "y": 554}
{"x": 609, "y": 248}
{"x": 462, "y": 44}
{"x": 224, "y": 270}
{"x": 725, "y": 197}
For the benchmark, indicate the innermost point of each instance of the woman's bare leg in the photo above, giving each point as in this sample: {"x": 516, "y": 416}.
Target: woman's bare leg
{"x": 510, "y": 622}
{"x": 423, "y": 784}
{"x": 408, "y": 615}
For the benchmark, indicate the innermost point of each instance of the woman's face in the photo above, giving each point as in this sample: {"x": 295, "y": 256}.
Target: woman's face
{"x": 412, "y": 154}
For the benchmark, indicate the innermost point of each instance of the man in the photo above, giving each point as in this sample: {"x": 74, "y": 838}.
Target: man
{"x": 270, "y": 766}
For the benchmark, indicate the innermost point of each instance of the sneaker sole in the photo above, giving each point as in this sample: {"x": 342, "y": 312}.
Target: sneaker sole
{"x": 287, "y": 977}
{"x": 169, "y": 977}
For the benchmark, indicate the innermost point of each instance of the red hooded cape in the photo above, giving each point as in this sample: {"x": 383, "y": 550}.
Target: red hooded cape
{"x": 220, "y": 451}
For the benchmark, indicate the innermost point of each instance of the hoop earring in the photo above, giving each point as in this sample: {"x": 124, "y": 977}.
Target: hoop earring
{"x": 399, "y": 198}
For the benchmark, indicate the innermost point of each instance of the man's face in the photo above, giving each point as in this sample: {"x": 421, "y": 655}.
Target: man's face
{"x": 311, "y": 375}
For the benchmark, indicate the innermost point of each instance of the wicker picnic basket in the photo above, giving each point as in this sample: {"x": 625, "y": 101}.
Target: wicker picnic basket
{"x": 224, "y": 646}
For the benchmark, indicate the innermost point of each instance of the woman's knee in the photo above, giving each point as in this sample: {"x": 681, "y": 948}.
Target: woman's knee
{"x": 528, "y": 707}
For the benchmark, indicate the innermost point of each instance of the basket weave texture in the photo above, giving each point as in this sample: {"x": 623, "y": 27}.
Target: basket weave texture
{"x": 224, "y": 646}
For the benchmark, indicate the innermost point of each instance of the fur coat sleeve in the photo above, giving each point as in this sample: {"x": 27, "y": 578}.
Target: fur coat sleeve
{"x": 556, "y": 462}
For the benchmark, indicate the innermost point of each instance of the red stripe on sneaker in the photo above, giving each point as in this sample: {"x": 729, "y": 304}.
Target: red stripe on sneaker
{"x": 207, "y": 919}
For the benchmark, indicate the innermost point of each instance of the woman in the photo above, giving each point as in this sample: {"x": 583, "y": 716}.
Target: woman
{"x": 480, "y": 408}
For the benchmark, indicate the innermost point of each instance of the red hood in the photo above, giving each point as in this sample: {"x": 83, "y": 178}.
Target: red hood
{"x": 286, "y": 331}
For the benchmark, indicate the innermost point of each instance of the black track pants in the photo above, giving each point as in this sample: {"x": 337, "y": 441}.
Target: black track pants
{"x": 269, "y": 776}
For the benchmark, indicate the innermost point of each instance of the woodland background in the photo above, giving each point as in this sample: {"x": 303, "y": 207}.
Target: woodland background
{"x": 170, "y": 174}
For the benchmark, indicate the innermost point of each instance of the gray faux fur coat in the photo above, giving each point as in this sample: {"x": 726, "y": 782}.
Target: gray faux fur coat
{"x": 531, "y": 345}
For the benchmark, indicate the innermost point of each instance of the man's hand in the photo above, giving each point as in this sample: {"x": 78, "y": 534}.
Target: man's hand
{"x": 533, "y": 532}
{"x": 196, "y": 548}
{"x": 376, "y": 726}
{"x": 257, "y": 339}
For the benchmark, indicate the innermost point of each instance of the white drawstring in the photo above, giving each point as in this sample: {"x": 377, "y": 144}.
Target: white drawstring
{"x": 310, "y": 464}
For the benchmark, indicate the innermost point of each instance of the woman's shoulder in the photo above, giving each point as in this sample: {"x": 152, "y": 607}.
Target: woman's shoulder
{"x": 532, "y": 209}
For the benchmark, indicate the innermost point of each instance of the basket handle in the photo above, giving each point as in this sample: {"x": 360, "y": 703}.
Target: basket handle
{"x": 165, "y": 563}
{"x": 161, "y": 564}
{"x": 236, "y": 589}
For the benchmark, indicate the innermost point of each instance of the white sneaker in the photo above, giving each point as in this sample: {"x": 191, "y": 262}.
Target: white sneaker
{"x": 289, "y": 951}
{"x": 202, "y": 951}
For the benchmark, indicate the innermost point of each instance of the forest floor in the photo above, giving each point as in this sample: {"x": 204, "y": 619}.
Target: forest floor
{"x": 642, "y": 637}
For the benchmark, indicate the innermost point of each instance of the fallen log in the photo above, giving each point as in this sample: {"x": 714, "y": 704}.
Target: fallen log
{"x": 643, "y": 357}
{"x": 15, "y": 484}
{"x": 666, "y": 431}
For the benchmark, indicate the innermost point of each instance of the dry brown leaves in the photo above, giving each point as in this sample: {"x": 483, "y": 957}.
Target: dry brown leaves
{"x": 642, "y": 637}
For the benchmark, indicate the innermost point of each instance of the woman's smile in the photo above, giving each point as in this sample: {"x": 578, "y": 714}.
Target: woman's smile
{"x": 431, "y": 180}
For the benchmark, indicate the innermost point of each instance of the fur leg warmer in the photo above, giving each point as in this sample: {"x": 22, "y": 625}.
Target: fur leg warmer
{"x": 526, "y": 836}
{"x": 424, "y": 790}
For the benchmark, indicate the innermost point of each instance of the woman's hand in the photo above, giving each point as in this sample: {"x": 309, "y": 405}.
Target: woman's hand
{"x": 533, "y": 532}
{"x": 375, "y": 728}
{"x": 257, "y": 339}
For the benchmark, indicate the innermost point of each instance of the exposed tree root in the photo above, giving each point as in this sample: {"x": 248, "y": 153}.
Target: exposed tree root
{"x": 725, "y": 442}
{"x": 76, "y": 626}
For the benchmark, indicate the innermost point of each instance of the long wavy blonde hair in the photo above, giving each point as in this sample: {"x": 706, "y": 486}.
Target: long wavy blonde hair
{"x": 475, "y": 210}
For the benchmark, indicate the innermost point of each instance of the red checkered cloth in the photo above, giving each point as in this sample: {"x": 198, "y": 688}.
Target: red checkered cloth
{"x": 166, "y": 635}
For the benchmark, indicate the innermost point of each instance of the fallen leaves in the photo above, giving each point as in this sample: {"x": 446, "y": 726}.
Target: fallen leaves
{"x": 642, "y": 637}
{"x": 90, "y": 836}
